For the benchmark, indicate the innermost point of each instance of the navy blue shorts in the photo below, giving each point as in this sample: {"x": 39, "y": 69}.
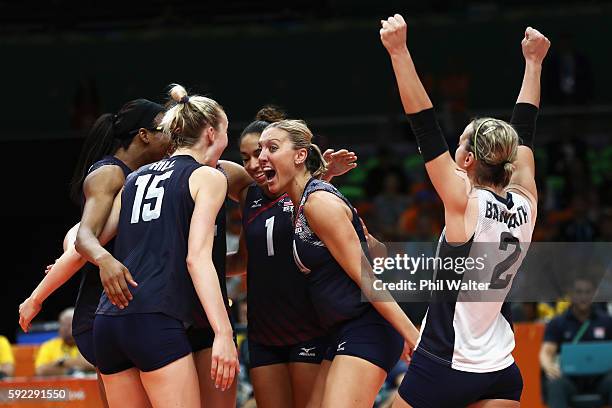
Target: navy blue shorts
{"x": 429, "y": 384}
{"x": 369, "y": 337}
{"x": 85, "y": 343}
{"x": 311, "y": 351}
{"x": 147, "y": 341}
{"x": 202, "y": 338}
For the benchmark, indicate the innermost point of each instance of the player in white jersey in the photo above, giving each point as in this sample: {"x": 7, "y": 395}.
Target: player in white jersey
{"x": 463, "y": 357}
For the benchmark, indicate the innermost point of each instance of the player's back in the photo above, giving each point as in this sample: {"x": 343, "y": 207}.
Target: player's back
{"x": 156, "y": 210}
{"x": 468, "y": 325}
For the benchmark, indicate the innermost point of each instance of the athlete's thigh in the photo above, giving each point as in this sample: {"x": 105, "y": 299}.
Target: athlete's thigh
{"x": 211, "y": 396}
{"x": 316, "y": 398}
{"x": 303, "y": 379}
{"x": 495, "y": 403}
{"x": 175, "y": 384}
{"x": 124, "y": 389}
{"x": 272, "y": 386}
{"x": 352, "y": 382}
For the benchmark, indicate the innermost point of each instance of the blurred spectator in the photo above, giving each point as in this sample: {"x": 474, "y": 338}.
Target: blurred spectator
{"x": 7, "y": 360}
{"x": 389, "y": 205}
{"x": 60, "y": 356}
{"x": 568, "y": 74}
{"x": 580, "y": 228}
{"x": 385, "y": 162}
{"x": 580, "y": 323}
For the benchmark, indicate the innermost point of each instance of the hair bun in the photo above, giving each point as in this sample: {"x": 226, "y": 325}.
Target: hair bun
{"x": 270, "y": 114}
{"x": 178, "y": 93}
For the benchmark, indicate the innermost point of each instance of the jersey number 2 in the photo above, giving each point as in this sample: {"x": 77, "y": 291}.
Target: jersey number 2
{"x": 270, "y": 236}
{"x": 504, "y": 240}
{"x": 153, "y": 192}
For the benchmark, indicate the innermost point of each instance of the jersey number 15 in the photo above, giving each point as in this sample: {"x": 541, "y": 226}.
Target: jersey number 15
{"x": 153, "y": 192}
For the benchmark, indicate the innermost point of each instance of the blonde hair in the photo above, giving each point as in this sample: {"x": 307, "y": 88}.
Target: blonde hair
{"x": 494, "y": 144}
{"x": 190, "y": 114}
{"x": 301, "y": 137}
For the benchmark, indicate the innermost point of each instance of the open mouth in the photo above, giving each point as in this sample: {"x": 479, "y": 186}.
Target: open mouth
{"x": 269, "y": 173}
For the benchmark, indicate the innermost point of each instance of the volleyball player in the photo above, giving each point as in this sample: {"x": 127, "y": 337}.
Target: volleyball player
{"x": 116, "y": 145}
{"x": 165, "y": 235}
{"x": 489, "y": 193}
{"x": 286, "y": 342}
{"x": 327, "y": 247}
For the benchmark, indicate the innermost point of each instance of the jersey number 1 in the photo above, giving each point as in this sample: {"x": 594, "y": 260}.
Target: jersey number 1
{"x": 270, "y": 236}
{"x": 153, "y": 192}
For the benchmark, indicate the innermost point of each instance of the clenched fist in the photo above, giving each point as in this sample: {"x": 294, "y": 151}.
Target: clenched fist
{"x": 535, "y": 46}
{"x": 393, "y": 34}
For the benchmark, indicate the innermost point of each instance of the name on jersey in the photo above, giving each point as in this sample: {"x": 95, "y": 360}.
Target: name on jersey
{"x": 511, "y": 219}
{"x": 162, "y": 165}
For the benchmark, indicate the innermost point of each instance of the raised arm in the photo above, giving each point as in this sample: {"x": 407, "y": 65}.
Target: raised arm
{"x": 64, "y": 268}
{"x": 208, "y": 188}
{"x": 330, "y": 219}
{"x": 432, "y": 145}
{"x": 535, "y": 47}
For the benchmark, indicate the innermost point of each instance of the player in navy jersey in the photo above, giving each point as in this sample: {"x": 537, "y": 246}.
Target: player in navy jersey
{"x": 286, "y": 342}
{"x": 116, "y": 144}
{"x": 327, "y": 247}
{"x": 166, "y": 227}
{"x": 463, "y": 357}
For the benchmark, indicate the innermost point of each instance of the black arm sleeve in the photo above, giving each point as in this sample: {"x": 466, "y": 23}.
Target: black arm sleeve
{"x": 524, "y": 117}
{"x": 429, "y": 137}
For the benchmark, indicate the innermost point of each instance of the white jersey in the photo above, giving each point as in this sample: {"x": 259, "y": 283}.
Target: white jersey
{"x": 466, "y": 327}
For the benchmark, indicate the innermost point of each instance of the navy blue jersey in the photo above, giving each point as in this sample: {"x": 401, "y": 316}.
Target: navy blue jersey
{"x": 335, "y": 295}
{"x": 156, "y": 210}
{"x": 279, "y": 308}
{"x": 91, "y": 287}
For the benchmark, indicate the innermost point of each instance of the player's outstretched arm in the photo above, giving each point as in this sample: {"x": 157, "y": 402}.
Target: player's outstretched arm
{"x": 535, "y": 47}
{"x": 329, "y": 218}
{"x": 69, "y": 263}
{"x": 432, "y": 145}
{"x": 208, "y": 188}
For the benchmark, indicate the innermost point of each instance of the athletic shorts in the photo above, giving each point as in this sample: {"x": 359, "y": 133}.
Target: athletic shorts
{"x": 369, "y": 337}
{"x": 85, "y": 343}
{"x": 310, "y": 351}
{"x": 202, "y": 338}
{"x": 147, "y": 341}
{"x": 429, "y": 384}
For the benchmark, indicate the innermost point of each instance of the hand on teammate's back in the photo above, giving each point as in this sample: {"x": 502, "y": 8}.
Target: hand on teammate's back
{"x": 393, "y": 34}
{"x": 535, "y": 46}
{"x": 115, "y": 278}
{"x": 224, "y": 361}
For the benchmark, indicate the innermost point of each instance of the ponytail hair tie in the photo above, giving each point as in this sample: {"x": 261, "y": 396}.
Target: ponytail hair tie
{"x": 184, "y": 99}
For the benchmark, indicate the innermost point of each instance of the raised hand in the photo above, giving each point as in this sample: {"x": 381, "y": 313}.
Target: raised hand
{"x": 535, "y": 46}
{"x": 339, "y": 162}
{"x": 393, "y": 34}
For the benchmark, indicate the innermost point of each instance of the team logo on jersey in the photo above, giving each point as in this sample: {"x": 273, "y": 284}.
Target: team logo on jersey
{"x": 256, "y": 203}
{"x": 288, "y": 206}
{"x": 341, "y": 346}
{"x": 307, "y": 352}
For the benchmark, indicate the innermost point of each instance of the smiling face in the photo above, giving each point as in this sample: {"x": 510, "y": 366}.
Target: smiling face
{"x": 249, "y": 152}
{"x": 279, "y": 160}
